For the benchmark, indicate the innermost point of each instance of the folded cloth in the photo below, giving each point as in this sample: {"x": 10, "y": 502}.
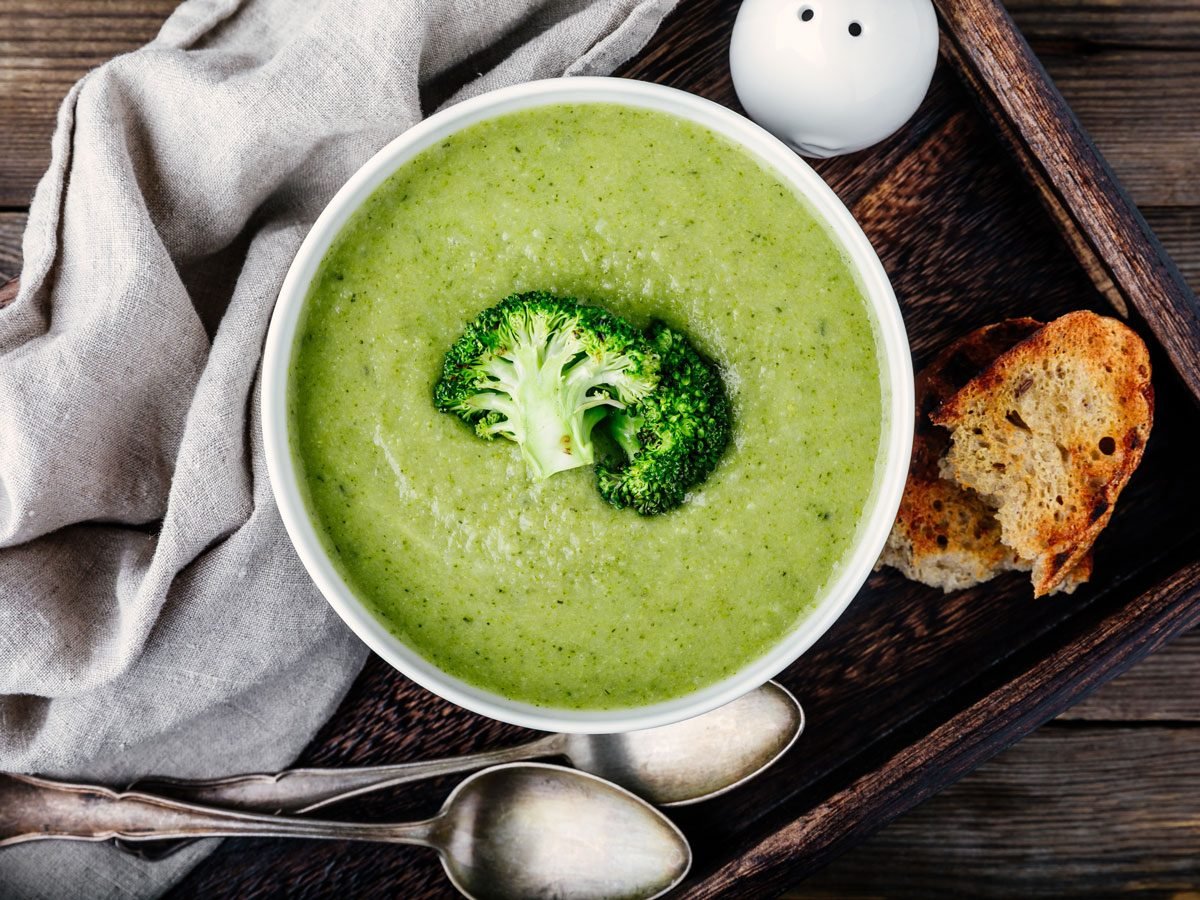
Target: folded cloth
{"x": 153, "y": 615}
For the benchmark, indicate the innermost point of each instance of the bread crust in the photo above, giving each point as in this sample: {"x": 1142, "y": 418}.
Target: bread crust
{"x": 946, "y": 535}
{"x": 1049, "y": 435}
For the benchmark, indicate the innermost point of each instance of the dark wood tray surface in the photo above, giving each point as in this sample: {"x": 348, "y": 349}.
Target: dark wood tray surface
{"x": 910, "y": 689}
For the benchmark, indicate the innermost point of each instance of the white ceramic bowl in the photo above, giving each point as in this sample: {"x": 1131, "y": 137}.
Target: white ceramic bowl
{"x": 895, "y": 365}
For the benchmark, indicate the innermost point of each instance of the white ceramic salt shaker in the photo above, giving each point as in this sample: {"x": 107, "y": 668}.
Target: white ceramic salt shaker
{"x": 833, "y": 76}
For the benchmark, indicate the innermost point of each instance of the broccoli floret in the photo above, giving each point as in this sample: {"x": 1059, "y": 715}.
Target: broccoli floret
{"x": 543, "y": 370}
{"x": 673, "y": 438}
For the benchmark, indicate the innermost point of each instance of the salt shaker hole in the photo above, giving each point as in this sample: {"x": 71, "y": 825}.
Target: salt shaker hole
{"x": 806, "y": 14}
{"x": 855, "y": 29}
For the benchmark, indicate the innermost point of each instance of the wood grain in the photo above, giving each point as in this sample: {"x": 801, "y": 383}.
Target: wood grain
{"x": 1104, "y": 228}
{"x": 1179, "y": 230}
{"x": 1164, "y": 687}
{"x": 1143, "y": 111}
{"x": 1065, "y": 813}
{"x": 45, "y": 47}
{"x": 12, "y": 226}
{"x": 8, "y": 291}
{"x": 1071, "y": 26}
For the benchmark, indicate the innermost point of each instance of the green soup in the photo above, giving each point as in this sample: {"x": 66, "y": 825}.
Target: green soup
{"x": 540, "y": 591}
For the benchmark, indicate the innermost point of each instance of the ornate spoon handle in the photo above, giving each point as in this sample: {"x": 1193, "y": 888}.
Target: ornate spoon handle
{"x": 304, "y": 790}
{"x": 33, "y": 808}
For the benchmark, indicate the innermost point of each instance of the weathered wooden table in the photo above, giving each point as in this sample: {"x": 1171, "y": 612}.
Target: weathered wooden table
{"x": 1104, "y": 800}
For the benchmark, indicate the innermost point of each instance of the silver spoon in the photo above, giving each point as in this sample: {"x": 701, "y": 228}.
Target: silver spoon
{"x": 513, "y": 831}
{"x": 672, "y": 765}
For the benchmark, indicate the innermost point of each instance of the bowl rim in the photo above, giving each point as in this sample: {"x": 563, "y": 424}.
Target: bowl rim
{"x": 891, "y": 344}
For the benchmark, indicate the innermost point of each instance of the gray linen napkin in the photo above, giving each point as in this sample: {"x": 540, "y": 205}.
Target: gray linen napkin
{"x": 153, "y": 616}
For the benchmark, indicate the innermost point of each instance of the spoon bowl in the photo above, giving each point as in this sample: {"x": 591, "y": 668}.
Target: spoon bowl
{"x": 532, "y": 828}
{"x": 697, "y": 759}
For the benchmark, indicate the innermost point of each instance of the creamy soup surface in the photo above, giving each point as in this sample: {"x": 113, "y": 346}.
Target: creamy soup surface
{"x": 542, "y": 592}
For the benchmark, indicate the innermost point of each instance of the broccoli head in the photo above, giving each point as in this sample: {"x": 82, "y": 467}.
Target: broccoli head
{"x": 673, "y": 437}
{"x": 543, "y": 370}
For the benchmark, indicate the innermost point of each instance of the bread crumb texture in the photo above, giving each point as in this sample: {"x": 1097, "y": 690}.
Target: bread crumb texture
{"x": 1048, "y": 436}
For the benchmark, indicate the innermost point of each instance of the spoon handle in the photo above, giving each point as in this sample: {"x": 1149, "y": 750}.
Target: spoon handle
{"x": 33, "y": 808}
{"x": 305, "y": 790}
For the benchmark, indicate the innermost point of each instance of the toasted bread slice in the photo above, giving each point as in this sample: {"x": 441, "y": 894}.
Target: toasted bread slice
{"x": 945, "y": 535}
{"x": 1049, "y": 434}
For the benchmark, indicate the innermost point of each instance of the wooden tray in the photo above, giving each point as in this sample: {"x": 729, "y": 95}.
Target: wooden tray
{"x": 910, "y": 689}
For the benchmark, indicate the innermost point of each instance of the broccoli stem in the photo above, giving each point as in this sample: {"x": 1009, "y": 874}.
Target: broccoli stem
{"x": 555, "y": 415}
{"x": 549, "y": 445}
{"x": 624, "y": 429}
